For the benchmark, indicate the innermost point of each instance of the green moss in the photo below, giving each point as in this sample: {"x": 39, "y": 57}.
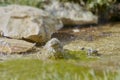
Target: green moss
{"x": 79, "y": 56}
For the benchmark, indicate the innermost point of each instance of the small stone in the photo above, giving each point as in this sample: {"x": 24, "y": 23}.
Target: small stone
{"x": 92, "y": 52}
{"x": 82, "y": 48}
{"x": 53, "y": 48}
{"x": 76, "y": 30}
{"x": 89, "y": 52}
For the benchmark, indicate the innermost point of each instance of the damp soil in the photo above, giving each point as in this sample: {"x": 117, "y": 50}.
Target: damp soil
{"x": 104, "y": 38}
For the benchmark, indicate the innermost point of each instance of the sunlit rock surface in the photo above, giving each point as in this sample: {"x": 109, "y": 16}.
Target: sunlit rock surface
{"x": 9, "y": 46}
{"x": 52, "y": 49}
{"x": 27, "y": 22}
{"x": 70, "y": 13}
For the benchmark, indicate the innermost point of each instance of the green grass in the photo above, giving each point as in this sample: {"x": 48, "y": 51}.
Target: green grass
{"x": 34, "y": 3}
{"x": 33, "y": 69}
{"x": 61, "y": 69}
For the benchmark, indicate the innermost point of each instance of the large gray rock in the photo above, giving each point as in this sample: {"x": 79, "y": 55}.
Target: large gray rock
{"x": 70, "y": 13}
{"x": 14, "y": 46}
{"x": 27, "y": 22}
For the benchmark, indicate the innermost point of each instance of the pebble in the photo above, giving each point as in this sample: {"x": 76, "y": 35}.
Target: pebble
{"x": 91, "y": 52}
{"x": 76, "y": 30}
